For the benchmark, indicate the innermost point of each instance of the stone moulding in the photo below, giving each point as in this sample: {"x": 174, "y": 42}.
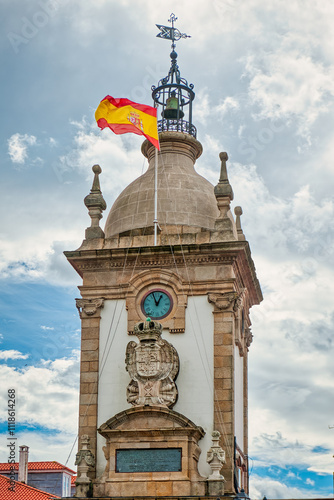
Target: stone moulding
{"x": 144, "y": 428}
{"x": 141, "y": 263}
{"x": 236, "y": 254}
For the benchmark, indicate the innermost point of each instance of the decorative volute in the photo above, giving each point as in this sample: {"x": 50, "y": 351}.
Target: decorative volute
{"x": 95, "y": 204}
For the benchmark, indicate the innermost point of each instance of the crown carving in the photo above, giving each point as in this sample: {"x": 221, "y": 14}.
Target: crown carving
{"x": 148, "y": 330}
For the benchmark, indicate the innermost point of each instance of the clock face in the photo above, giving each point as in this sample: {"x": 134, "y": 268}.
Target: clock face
{"x": 157, "y": 304}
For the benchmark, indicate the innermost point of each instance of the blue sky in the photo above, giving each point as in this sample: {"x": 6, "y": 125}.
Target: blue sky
{"x": 263, "y": 75}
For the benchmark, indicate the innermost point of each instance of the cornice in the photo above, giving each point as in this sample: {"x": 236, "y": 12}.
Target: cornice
{"x": 143, "y": 262}
{"x": 235, "y": 253}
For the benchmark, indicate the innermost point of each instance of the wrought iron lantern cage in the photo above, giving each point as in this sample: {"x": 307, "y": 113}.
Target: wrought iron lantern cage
{"x": 174, "y": 97}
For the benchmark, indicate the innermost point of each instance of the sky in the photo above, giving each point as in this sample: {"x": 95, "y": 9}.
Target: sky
{"x": 263, "y": 74}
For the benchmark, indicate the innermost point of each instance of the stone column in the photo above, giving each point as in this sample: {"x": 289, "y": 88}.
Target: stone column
{"x": 223, "y": 378}
{"x": 245, "y": 450}
{"x": 90, "y": 314}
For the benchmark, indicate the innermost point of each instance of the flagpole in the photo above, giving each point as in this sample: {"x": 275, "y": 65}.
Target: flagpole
{"x": 155, "y": 197}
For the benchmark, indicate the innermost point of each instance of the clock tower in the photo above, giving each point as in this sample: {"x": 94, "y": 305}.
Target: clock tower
{"x": 166, "y": 291}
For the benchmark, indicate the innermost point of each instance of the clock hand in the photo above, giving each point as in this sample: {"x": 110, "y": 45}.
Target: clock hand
{"x": 155, "y": 300}
{"x": 157, "y": 303}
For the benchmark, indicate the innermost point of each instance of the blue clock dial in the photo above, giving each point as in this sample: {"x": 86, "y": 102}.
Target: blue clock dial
{"x": 157, "y": 304}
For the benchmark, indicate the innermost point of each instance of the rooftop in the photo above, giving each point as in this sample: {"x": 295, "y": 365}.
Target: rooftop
{"x": 37, "y": 466}
{"x": 21, "y": 491}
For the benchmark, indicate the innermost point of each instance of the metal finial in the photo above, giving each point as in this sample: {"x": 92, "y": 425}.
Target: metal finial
{"x": 171, "y": 33}
{"x": 173, "y": 92}
{"x": 172, "y": 18}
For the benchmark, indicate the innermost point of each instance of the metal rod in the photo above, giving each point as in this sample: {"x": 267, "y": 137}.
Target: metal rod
{"x": 155, "y": 197}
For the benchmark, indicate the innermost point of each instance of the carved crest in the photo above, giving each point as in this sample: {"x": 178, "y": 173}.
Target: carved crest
{"x": 153, "y": 365}
{"x": 148, "y": 360}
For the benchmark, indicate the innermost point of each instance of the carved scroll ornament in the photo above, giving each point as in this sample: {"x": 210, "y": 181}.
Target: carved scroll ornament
{"x": 88, "y": 306}
{"x": 227, "y": 300}
{"x": 248, "y": 337}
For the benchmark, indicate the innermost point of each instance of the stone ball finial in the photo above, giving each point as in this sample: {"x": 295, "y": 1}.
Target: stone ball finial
{"x": 238, "y": 213}
{"x": 97, "y": 169}
{"x": 223, "y": 188}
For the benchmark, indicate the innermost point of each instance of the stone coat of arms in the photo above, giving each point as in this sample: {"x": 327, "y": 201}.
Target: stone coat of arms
{"x": 153, "y": 365}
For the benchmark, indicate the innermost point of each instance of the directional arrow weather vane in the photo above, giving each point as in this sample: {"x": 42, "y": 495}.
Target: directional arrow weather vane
{"x": 170, "y": 33}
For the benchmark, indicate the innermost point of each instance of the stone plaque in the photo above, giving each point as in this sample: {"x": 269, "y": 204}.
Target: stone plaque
{"x": 149, "y": 460}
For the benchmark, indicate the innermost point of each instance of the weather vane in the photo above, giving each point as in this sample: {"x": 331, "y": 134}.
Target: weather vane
{"x": 171, "y": 33}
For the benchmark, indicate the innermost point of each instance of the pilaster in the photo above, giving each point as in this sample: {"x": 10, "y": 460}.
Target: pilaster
{"x": 90, "y": 314}
{"x": 246, "y": 487}
{"x": 224, "y": 377}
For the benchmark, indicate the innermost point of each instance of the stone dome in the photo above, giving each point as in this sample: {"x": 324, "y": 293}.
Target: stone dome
{"x": 185, "y": 198}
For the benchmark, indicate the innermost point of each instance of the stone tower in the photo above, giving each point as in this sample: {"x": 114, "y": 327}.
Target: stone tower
{"x": 165, "y": 326}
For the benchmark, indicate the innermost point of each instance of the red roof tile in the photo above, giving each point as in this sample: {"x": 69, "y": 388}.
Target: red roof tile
{"x": 21, "y": 491}
{"x": 50, "y": 466}
{"x": 73, "y": 479}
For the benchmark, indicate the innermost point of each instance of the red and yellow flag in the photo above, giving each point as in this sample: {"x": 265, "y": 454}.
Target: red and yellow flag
{"x": 122, "y": 116}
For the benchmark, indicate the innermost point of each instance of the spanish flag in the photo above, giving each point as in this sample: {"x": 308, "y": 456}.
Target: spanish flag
{"x": 122, "y": 116}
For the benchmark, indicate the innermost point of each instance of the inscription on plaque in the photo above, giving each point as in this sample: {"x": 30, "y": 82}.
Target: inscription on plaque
{"x": 149, "y": 460}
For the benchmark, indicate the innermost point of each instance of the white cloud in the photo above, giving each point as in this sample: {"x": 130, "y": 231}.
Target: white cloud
{"x": 45, "y": 446}
{"x": 310, "y": 482}
{"x": 47, "y": 395}
{"x": 18, "y": 147}
{"x": 12, "y": 354}
{"x": 43, "y": 327}
{"x": 290, "y": 83}
{"x": 272, "y": 488}
{"x": 202, "y": 106}
{"x": 229, "y": 103}
{"x": 290, "y": 474}
{"x": 277, "y": 225}
{"x": 119, "y": 156}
